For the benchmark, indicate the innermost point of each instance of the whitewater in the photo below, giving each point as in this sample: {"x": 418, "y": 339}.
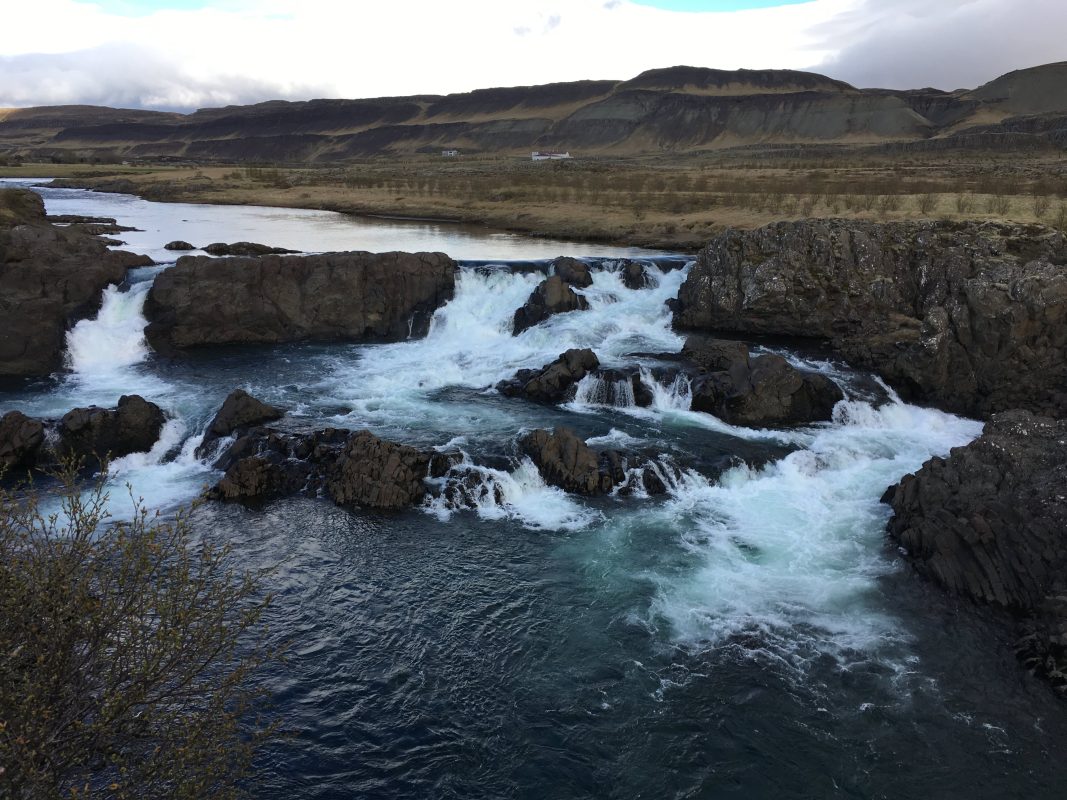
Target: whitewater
{"x": 754, "y": 613}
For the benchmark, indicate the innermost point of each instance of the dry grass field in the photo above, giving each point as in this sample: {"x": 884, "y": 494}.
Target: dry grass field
{"x": 675, "y": 202}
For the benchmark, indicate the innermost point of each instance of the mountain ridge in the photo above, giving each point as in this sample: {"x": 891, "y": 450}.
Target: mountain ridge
{"x": 670, "y": 109}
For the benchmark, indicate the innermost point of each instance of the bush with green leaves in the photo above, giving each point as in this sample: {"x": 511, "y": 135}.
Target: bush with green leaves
{"x": 127, "y": 650}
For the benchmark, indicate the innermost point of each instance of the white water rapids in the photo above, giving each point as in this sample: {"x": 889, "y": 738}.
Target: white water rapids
{"x": 790, "y": 549}
{"x": 793, "y": 545}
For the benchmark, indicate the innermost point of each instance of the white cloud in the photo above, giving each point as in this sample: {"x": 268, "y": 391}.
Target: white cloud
{"x": 241, "y": 51}
{"x": 951, "y": 44}
{"x": 251, "y": 50}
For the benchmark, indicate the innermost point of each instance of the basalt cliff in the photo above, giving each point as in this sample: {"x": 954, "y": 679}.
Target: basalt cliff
{"x": 675, "y": 109}
{"x": 970, "y": 318}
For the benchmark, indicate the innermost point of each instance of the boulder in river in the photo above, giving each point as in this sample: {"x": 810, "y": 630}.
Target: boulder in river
{"x": 50, "y": 277}
{"x": 553, "y": 383}
{"x": 971, "y": 317}
{"x": 572, "y": 271}
{"x": 353, "y": 468}
{"x": 564, "y": 460}
{"x": 552, "y": 296}
{"x": 329, "y": 297}
{"x": 21, "y": 438}
{"x": 239, "y": 411}
{"x": 243, "y": 249}
{"x": 179, "y": 245}
{"x": 94, "y": 433}
{"x": 757, "y": 391}
{"x": 634, "y": 275}
{"x": 990, "y": 523}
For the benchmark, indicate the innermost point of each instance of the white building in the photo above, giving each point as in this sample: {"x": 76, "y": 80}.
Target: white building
{"x": 450, "y": 153}
{"x": 548, "y": 155}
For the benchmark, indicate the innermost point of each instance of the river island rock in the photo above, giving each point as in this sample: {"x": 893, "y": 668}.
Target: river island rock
{"x": 757, "y": 391}
{"x": 990, "y": 523}
{"x": 21, "y": 438}
{"x": 971, "y": 317}
{"x": 554, "y": 382}
{"x": 552, "y": 296}
{"x": 243, "y": 249}
{"x": 50, "y": 277}
{"x": 355, "y": 296}
{"x": 95, "y": 433}
{"x": 353, "y": 468}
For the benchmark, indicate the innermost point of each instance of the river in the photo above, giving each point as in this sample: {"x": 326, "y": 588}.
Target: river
{"x": 752, "y": 634}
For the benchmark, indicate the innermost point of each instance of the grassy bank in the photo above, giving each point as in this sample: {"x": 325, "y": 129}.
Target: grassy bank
{"x": 673, "y": 203}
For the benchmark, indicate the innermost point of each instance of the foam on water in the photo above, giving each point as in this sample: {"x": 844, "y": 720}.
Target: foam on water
{"x": 789, "y": 554}
{"x": 520, "y": 495}
{"x": 470, "y": 345}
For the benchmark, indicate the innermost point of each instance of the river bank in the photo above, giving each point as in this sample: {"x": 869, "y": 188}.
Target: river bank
{"x": 675, "y": 202}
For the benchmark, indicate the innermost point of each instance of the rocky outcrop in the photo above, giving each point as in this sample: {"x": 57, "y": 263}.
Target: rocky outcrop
{"x": 633, "y": 275}
{"x": 971, "y": 317}
{"x": 572, "y": 271}
{"x": 334, "y": 296}
{"x": 179, "y": 245}
{"x": 91, "y": 435}
{"x": 374, "y": 473}
{"x": 243, "y": 249}
{"x": 50, "y": 277}
{"x": 553, "y": 383}
{"x": 564, "y": 460}
{"x": 990, "y": 523}
{"x": 95, "y": 434}
{"x": 552, "y": 296}
{"x": 239, "y": 411}
{"x": 757, "y": 391}
{"x": 353, "y": 468}
{"x": 21, "y": 438}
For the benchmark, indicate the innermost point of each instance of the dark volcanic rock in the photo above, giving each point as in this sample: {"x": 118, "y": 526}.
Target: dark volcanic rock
{"x": 98, "y": 433}
{"x": 241, "y": 410}
{"x": 554, "y": 382}
{"x": 572, "y": 271}
{"x": 765, "y": 390}
{"x": 566, "y": 461}
{"x": 50, "y": 277}
{"x": 355, "y": 469}
{"x": 334, "y": 296}
{"x": 552, "y": 296}
{"x": 969, "y": 316}
{"x": 21, "y": 438}
{"x": 241, "y": 249}
{"x": 633, "y": 275}
{"x": 990, "y": 523}
{"x": 374, "y": 473}
{"x": 715, "y": 355}
{"x": 178, "y": 244}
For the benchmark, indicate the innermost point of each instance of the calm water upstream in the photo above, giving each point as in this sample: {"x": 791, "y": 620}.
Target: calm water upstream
{"x": 750, "y": 635}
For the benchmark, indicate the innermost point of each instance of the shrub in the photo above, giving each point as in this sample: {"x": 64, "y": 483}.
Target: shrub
{"x": 125, "y": 654}
{"x": 1041, "y": 206}
{"x": 928, "y": 202}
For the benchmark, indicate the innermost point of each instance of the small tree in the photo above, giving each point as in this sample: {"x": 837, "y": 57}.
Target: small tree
{"x": 126, "y": 650}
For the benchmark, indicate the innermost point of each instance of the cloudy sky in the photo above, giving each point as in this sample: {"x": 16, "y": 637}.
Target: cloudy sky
{"x": 184, "y": 54}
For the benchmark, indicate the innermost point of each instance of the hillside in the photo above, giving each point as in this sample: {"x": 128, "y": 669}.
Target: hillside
{"x": 677, "y": 109}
